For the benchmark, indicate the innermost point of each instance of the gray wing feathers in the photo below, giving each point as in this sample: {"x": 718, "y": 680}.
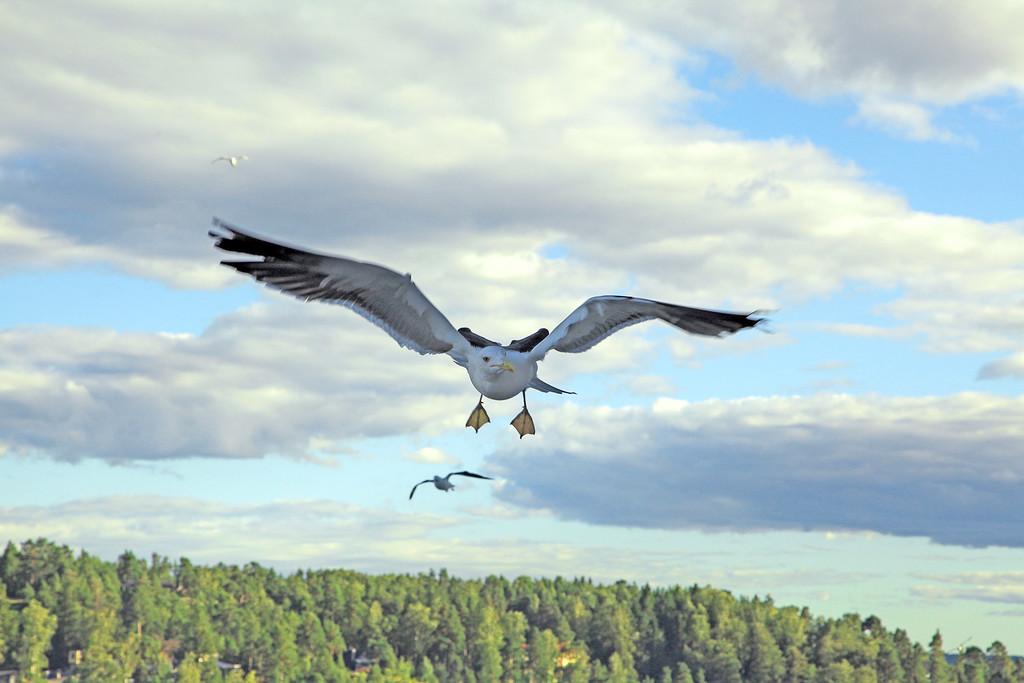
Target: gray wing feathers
{"x": 425, "y": 481}
{"x": 384, "y": 297}
{"x": 469, "y": 474}
{"x": 601, "y": 316}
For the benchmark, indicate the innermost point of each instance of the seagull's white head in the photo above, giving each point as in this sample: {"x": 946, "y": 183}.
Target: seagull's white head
{"x": 493, "y": 361}
{"x": 498, "y": 373}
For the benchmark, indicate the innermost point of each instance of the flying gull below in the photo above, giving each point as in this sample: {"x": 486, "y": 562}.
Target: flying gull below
{"x": 391, "y": 301}
{"x": 442, "y": 483}
{"x": 231, "y": 160}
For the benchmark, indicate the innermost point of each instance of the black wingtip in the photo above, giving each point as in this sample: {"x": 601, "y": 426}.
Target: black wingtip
{"x": 231, "y": 238}
{"x": 764, "y": 322}
{"x": 467, "y": 473}
{"x": 226, "y": 236}
{"x": 220, "y": 230}
{"x": 220, "y": 224}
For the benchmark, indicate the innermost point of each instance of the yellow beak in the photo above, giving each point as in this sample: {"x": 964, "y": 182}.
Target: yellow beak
{"x": 507, "y": 366}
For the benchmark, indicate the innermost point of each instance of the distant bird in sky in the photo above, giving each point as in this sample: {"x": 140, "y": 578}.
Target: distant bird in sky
{"x": 391, "y": 301}
{"x": 442, "y": 483}
{"x": 231, "y": 160}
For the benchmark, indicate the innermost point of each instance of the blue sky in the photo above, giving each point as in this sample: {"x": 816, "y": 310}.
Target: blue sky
{"x": 857, "y": 175}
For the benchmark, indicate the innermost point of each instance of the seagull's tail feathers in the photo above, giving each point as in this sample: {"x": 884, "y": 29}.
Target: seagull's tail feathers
{"x": 541, "y": 385}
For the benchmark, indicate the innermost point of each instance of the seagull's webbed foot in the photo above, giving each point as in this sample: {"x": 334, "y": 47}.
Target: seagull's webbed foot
{"x": 523, "y": 422}
{"x": 478, "y": 418}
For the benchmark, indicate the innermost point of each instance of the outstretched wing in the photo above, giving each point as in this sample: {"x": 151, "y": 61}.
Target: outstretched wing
{"x": 470, "y": 474}
{"x": 425, "y": 481}
{"x": 598, "y": 317}
{"x": 386, "y": 298}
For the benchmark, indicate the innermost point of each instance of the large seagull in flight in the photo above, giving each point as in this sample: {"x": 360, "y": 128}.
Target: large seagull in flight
{"x": 391, "y": 301}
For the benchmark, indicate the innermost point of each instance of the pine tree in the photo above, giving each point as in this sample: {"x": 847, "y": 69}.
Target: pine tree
{"x": 513, "y": 650}
{"x": 425, "y": 673}
{"x": 683, "y": 674}
{"x": 8, "y": 623}
{"x": 543, "y": 654}
{"x": 414, "y": 631}
{"x": 1000, "y": 665}
{"x": 887, "y": 663}
{"x": 618, "y": 672}
{"x": 938, "y": 669}
{"x": 35, "y": 628}
{"x": 723, "y": 665}
{"x": 763, "y": 662}
{"x": 486, "y": 643}
{"x": 188, "y": 670}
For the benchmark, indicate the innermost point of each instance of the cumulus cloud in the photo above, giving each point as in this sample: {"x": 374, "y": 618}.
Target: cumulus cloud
{"x": 430, "y": 455}
{"x": 1011, "y": 366}
{"x": 485, "y": 136}
{"x": 947, "y": 468}
{"x": 282, "y": 377}
{"x": 288, "y": 534}
{"x": 287, "y": 380}
{"x": 26, "y": 244}
{"x": 933, "y": 52}
{"x": 461, "y": 151}
{"x": 298, "y": 534}
{"x": 904, "y": 119}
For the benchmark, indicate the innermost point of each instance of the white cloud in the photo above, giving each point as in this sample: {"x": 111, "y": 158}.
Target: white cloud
{"x": 290, "y": 534}
{"x": 266, "y": 380}
{"x": 903, "y": 119}
{"x": 297, "y": 534}
{"x": 1011, "y": 366}
{"x": 864, "y": 330}
{"x": 942, "y": 467}
{"x": 468, "y": 145}
{"x": 430, "y": 455}
{"x": 459, "y": 146}
{"x": 931, "y": 52}
{"x": 985, "y": 586}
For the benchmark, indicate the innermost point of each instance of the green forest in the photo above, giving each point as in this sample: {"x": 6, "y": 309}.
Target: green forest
{"x": 158, "y": 621}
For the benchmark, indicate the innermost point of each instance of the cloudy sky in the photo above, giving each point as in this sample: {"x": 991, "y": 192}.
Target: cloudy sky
{"x": 856, "y": 171}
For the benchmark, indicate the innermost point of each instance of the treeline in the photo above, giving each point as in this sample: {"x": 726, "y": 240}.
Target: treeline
{"x": 159, "y": 621}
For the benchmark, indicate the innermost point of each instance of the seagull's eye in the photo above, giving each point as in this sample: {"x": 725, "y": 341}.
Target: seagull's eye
{"x": 487, "y": 359}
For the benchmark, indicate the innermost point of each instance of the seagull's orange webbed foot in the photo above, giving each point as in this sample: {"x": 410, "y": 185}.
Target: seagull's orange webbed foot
{"x": 478, "y": 418}
{"x": 523, "y": 422}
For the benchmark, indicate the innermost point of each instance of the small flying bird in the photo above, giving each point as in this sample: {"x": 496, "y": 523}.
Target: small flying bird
{"x": 231, "y": 160}
{"x": 391, "y": 301}
{"x": 442, "y": 483}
